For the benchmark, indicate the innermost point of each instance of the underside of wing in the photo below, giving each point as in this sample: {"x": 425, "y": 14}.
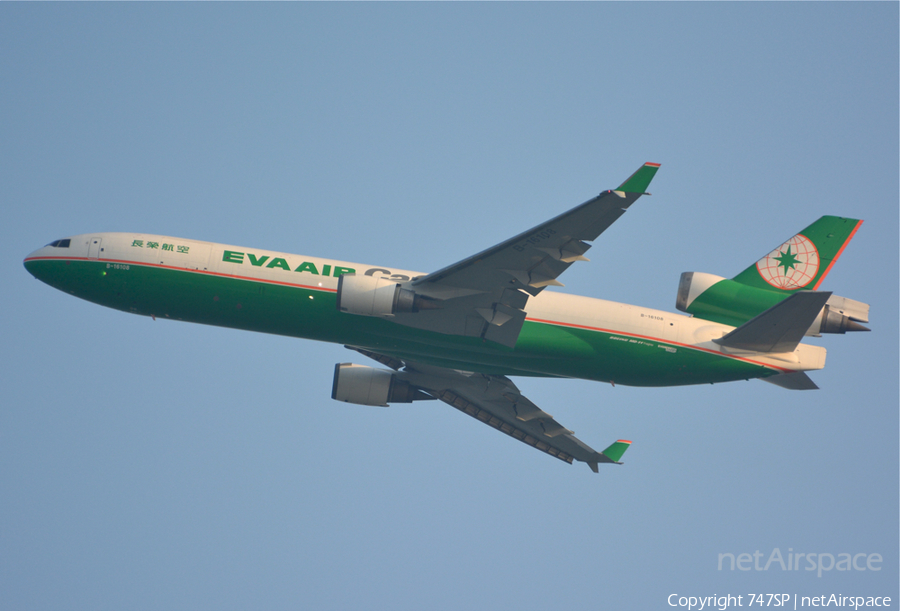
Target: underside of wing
{"x": 493, "y": 400}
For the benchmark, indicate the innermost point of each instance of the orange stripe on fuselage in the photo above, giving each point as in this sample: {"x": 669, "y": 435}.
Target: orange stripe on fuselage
{"x": 330, "y": 290}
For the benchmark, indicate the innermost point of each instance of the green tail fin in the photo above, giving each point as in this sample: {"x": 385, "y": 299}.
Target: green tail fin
{"x": 800, "y": 264}
{"x": 615, "y": 451}
{"x": 803, "y": 261}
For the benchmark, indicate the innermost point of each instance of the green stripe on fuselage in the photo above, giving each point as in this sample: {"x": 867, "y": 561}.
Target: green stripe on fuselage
{"x": 542, "y": 350}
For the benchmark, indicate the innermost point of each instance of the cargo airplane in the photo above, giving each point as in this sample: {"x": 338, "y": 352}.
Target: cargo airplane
{"x": 457, "y": 333}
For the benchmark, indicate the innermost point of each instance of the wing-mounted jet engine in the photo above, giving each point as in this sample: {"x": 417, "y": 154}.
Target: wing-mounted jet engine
{"x": 379, "y": 296}
{"x": 364, "y": 385}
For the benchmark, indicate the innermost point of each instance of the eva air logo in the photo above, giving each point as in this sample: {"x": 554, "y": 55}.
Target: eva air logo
{"x": 792, "y": 265}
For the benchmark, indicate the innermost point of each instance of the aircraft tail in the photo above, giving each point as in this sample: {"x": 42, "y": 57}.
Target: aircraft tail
{"x": 798, "y": 265}
{"x": 802, "y": 262}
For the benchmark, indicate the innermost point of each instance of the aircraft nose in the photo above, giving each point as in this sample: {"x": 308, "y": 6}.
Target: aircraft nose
{"x": 31, "y": 261}
{"x": 40, "y": 262}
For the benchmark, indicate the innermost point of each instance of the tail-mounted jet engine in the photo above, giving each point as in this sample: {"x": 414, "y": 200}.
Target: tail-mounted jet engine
{"x": 378, "y": 296}
{"x": 732, "y": 303}
{"x": 841, "y": 315}
{"x": 369, "y": 386}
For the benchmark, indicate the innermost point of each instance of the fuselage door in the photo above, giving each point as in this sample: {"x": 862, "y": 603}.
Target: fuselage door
{"x": 95, "y": 248}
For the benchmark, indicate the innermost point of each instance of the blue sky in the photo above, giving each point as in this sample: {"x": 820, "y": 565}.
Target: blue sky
{"x": 165, "y": 465}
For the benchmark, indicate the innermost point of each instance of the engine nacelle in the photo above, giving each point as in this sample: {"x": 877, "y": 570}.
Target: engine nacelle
{"x": 840, "y": 315}
{"x": 374, "y": 296}
{"x": 369, "y": 386}
{"x": 692, "y": 285}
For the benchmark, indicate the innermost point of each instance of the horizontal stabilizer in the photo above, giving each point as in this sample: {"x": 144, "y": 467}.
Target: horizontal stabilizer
{"x": 796, "y": 380}
{"x": 781, "y": 327}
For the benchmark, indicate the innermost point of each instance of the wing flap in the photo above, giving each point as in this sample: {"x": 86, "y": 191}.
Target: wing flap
{"x": 545, "y": 443}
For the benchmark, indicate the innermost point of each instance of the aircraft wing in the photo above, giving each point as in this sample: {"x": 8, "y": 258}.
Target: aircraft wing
{"x": 485, "y": 295}
{"x": 496, "y": 401}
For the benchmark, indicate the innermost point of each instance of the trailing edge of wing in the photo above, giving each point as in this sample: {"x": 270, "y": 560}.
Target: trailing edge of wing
{"x": 534, "y": 259}
{"x": 781, "y": 327}
{"x": 497, "y": 402}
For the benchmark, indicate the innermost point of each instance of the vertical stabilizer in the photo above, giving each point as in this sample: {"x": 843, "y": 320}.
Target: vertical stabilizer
{"x": 799, "y": 264}
{"x": 802, "y": 262}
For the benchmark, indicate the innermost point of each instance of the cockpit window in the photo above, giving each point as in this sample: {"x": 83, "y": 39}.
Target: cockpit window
{"x": 60, "y": 243}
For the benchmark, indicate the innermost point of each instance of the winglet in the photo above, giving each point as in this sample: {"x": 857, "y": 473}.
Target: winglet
{"x": 640, "y": 180}
{"x": 612, "y": 454}
{"x": 616, "y": 450}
